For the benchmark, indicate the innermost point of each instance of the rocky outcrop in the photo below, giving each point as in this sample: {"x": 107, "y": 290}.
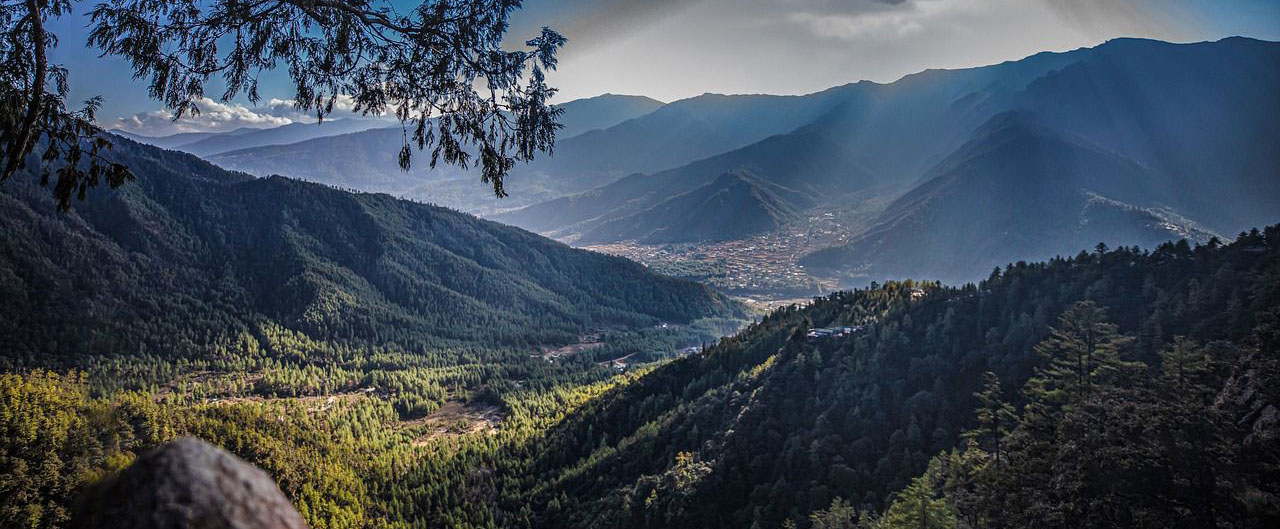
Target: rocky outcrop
{"x": 1249, "y": 393}
{"x": 188, "y": 484}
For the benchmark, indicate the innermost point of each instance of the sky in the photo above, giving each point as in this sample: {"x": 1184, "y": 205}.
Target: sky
{"x": 674, "y": 49}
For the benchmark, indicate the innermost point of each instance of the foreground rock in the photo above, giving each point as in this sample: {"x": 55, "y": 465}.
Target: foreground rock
{"x": 188, "y": 484}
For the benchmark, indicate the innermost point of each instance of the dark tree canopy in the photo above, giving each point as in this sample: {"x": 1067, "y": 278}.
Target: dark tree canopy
{"x": 31, "y": 114}
{"x": 440, "y": 68}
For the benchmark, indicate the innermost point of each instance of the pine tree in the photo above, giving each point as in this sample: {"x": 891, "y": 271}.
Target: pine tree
{"x": 920, "y": 506}
{"x": 840, "y": 515}
{"x": 1083, "y": 351}
{"x": 996, "y": 418}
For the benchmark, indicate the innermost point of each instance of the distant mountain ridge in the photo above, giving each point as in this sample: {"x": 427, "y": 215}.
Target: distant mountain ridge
{"x": 282, "y": 135}
{"x": 367, "y": 160}
{"x": 673, "y": 135}
{"x": 205, "y": 144}
{"x": 182, "y": 138}
{"x": 602, "y": 112}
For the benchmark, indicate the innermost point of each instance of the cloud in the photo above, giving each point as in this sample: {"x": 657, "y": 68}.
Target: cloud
{"x": 878, "y": 26}
{"x": 865, "y": 19}
{"x": 216, "y": 116}
{"x": 343, "y": 106}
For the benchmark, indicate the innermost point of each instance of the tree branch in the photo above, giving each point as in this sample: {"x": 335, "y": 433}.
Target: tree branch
{"x": 36, "y": 98}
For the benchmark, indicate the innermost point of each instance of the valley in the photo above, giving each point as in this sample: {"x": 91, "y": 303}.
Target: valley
{"x": 1038, "y": 294}
{"x": 760, "y": 268}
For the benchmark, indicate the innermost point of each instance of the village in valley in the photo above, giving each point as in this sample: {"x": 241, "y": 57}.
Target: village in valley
{"x": 764, "y": 269}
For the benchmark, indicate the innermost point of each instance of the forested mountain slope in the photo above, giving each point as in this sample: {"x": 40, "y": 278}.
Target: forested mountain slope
{"x": 191, "y": 259}
{"x": 767, "y": 427}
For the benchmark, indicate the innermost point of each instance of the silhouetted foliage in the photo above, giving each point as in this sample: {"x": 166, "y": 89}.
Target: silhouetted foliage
{"x": 439, "y": 67}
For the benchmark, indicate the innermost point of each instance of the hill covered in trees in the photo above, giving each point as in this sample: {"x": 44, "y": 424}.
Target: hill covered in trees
{"x": 775, "y": 428}
{"x": 195, "y": 263}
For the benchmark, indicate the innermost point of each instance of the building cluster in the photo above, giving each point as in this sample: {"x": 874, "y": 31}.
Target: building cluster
{"x": 764, "y": 265}
{"x": 834, "y": 332}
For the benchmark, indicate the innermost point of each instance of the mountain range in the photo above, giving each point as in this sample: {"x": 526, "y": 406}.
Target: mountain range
{"x": 1187, "y": 127}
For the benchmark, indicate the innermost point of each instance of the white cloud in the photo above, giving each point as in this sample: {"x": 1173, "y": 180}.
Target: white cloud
{"x": 213, "y": 117}
{"x": 850, "y": 27}
{"x": 343, "y": 106}
{"x": 216, "y": 116}
{"x": 886, "y": 20}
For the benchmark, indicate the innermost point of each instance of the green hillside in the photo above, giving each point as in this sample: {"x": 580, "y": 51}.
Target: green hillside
{"x": 193, "y": 262}
{"x": 770, "y": 426}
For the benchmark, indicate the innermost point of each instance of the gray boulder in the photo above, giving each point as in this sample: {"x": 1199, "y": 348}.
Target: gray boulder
{"x": 188, "y": 484}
